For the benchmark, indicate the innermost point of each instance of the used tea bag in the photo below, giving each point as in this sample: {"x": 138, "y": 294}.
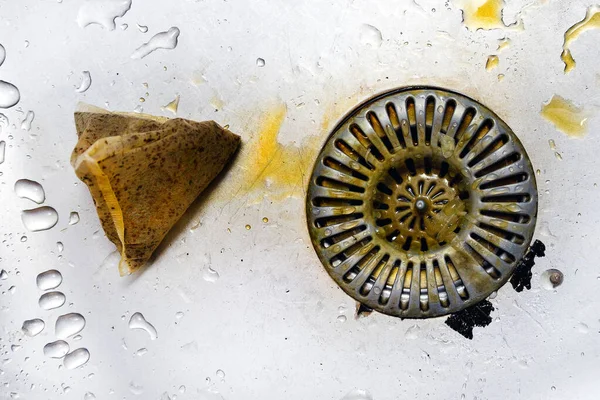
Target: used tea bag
{"x": 143, "y": 172}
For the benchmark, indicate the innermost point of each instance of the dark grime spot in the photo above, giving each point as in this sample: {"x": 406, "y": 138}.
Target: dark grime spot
{"x": 465, "y": 320}
{"x": 521, "y": 278}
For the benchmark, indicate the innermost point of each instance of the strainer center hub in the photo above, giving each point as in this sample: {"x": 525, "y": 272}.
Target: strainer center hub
{"x": 421, "y": 202}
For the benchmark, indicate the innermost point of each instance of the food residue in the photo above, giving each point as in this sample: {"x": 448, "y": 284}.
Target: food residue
{"x": 591, "y": 21}
{"x": 566, "y": 116}
{"x": 492, "y": 62}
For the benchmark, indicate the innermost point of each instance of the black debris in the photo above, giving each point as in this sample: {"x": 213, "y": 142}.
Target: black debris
{"x": 362, "y": 310}
{"x": 521, "y": 278}
{"x": 464, "y": 321}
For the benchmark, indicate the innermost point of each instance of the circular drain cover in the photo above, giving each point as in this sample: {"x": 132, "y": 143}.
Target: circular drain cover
{"x": 421, "y": 203}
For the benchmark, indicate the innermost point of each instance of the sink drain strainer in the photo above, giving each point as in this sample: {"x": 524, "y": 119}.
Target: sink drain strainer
{"x": 421, "y": 203}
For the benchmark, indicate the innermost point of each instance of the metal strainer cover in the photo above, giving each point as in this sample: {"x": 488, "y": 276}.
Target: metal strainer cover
{"x": 421, "y": 202}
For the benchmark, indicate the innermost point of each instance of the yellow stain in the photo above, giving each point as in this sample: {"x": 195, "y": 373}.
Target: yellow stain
{"x": 503, "y": 43}
{"x": 492, "y": 62}
{"x": 591, "y": 21}
{"x": 276, "y": 170}
{"x": 482, "y": 14}
{"x": 565, "y": 116}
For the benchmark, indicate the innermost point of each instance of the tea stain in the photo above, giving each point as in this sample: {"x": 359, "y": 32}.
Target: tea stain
{"x": 591, "y": 21}
{"x": 492, "y": 62}
{"x": 483, "y": 14}
{"x": 566, "y": 116}
{"x": 503, "y": 44}
{"x": 279, "y": 170}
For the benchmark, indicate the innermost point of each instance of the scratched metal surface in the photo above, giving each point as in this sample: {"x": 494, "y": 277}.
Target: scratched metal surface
{"x": 272, "y": 320}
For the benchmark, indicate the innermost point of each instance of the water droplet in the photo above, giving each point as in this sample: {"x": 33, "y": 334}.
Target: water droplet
{"x": 3, "y": 275}
{"x": 68, "y": 325}
{"x": 136, "y": 388}
{"x": 558, "y": 156}
{"x": 77, "y": 337}
{"x": 2, "y": 54}
{"x": 2, "y": 150}
{"x": 583, "y": 328}
{"x": 162, "y": 40}
{"x": 142, "y": 28}
{"x": 12, "y": 289}
{"x": 51, "y": 300}
{"x": 73, "y": 218}
{"x": 210, "y": 275}
{"x": 182, "y": 389}
{"x": 248, "y": 227}
{"x": 137, "y": 321}
{"x": 342, "y": 318}
{"x": 412, "y": 332}
{"x": 493, "y": 295}
{"x": 260, "y": 62}
{"x": 23, "y": 238}
{"x": 76, "y": 358}
{"x": 89, "y": 396}
{"x": 33, "y": 327}
{"x": 265, "y": 220}
{"x": 50, "y": 279}
{"x": 39, "y": 219}
{"x": 102, "y": 13}
{"x": 370, "y": 36}
{"x": 124, "y": 26}
{"x": 141, "y": 352}
{"x": 31, "y": 190}
{"x": 142, "y": 100}
{"x": 57, "y": 349}
{"x": 358, "y": 394}
{"x": 60, "y": 247}
{"x": 86, "y": 82}
{"x": 551, "y": 278}
{"x": 172, "y": 106}
{"x": 3, "y": 121}
{"x": 553, "y": 388}
{"x": 220, "y": 374}
{"x": 15, "y": 347}
{"x": 9, "y": 94}
{"x": 552, "y": 144}
{"x": 26, "y": 123}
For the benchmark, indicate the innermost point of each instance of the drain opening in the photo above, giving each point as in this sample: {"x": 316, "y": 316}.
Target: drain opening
{"x": 421, "y": 202}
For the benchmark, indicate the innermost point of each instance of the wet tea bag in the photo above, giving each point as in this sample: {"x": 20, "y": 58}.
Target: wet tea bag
{"x": 143, "y": 172}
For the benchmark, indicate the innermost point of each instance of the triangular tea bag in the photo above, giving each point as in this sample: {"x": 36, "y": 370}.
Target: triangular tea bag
{"x": 143, "y": 172}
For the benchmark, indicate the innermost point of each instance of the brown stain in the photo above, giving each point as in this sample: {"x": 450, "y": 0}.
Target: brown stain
{"x": 566, "y": 116}
{"x": 591, "y": 21}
